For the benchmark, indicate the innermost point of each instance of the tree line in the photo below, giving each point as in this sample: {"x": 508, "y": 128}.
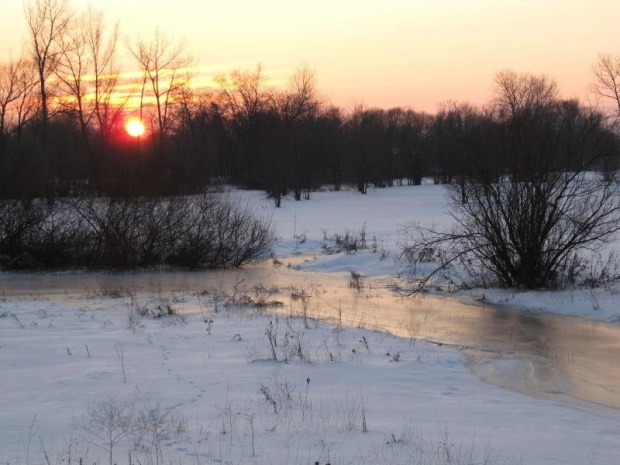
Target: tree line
{"x": 63, "y": 103}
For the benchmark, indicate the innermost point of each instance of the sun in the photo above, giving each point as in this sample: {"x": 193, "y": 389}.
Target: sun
{"x": 134, "y": 127}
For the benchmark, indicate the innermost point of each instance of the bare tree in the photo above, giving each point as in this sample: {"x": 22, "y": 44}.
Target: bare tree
{"x": 107, "y": 423}
{"x": 244, "y": 95}
{"x": 47, "y": 21}
{"x": 86, "y": 67}
{"x": 368, "y": 146}
{"x": 165, "y": 65}
{"x": 102, "y": 47}
{"x": 298, "y": 107}
{"x": 8, "y": 94}
{"x": 527, "y": 226}
{"x": 516, "y": 93}
{"x": 413, "y": 145}
{"x": 71, "y": 69}
{"x": 301, "y": 98}
{"x": 606, "y": 84}
{"x": 17, "y": 80}
{"x": 247, "y": 106}
{"x": 329, "y": 136}
{"x": 156, "y": 423}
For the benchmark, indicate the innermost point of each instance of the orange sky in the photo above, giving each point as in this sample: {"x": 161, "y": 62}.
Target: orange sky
{"x": 384, "y": 53}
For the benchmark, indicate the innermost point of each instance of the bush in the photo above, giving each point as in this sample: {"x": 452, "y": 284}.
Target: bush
{"x": 37, "y": 234}
{"x": 17, "y": 222}
{"x": 221, "y": 234}
{"x": 349, "y": 242}
{"x": 523, "y": 234}
{"x": 204, "y": 232}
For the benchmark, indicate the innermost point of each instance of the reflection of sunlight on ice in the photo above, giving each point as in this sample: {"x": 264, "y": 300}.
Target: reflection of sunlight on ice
{"x": 566, "y": 359}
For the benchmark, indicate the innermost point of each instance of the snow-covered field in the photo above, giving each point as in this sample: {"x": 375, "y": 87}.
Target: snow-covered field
{"x": 384, "y": 213}
{"x": 188, "y": 380}
{"x": 336, "y": 394}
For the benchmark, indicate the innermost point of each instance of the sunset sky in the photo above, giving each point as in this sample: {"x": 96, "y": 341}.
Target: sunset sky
{"x": 412, "y": 53}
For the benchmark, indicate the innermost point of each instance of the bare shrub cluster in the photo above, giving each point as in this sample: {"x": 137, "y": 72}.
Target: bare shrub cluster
{"x": 33, "y": 233}
{"x": 288, "y": 346}
{"x": 355, "y": 280}
{"x": 202, "y": 232}
{"x": 349, "y": 241}
{"x": 110, "y": 422}
{"x": 523, "y": 234}
{"x": 257, "y": 296}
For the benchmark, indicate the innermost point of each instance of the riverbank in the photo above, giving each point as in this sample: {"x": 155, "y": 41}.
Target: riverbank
{"x": 235, "y": 369}
{"x": 234, "y": 383}
{"x": 306, "y": 227}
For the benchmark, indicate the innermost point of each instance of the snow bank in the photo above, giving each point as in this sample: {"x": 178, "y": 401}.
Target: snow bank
{"x": 302, "y": 225}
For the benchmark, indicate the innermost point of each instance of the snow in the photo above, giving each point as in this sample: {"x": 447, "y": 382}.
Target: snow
{"x": 233, "y": 404}
{"x": 412, "y": 407}
{"x": 385, "y": 213}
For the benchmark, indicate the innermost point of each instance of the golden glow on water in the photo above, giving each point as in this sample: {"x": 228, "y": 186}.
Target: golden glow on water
{"x": 560, "y": 358}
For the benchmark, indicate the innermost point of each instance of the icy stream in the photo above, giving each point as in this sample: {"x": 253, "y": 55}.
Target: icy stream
{"x": 565, "y": 359}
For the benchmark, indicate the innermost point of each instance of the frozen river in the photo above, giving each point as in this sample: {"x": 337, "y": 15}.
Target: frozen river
{"x": 566, "y": 359}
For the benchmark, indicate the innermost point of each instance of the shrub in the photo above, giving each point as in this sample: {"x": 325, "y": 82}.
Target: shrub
{"x": 204, "y": 232}
{"x": 349, "y": 242}
{"x": 527, "y": 234}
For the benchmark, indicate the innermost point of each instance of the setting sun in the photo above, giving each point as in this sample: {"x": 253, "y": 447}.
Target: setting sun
{"x": 135, "y": 127}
